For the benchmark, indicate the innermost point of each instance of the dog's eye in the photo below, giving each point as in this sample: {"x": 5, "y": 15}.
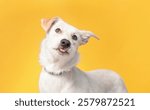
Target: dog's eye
{"x": 74, "y": 37}
{"x": 58, "y": 30}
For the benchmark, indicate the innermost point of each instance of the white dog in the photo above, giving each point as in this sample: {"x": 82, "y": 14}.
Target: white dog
{"x": 58, "y": 57}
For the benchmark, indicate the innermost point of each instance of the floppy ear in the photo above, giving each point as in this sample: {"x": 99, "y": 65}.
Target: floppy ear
{"x": 86, "y": 35}
{"x": 48, "y": 23}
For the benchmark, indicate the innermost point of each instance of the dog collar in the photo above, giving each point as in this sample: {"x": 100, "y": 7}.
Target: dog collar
{"x": 53, "y": 73}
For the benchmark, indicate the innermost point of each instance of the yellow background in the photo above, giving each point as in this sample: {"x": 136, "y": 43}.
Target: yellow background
{"x": 122, "y": 25}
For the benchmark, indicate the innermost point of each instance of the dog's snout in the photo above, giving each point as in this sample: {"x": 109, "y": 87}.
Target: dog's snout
{"x": 65, "y": 43}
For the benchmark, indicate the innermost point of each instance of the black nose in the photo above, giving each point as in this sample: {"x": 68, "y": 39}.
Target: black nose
{"x": 65, "y": 43}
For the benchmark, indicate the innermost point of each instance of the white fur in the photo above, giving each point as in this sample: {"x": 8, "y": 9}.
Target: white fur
{"x": 74, "y": 80}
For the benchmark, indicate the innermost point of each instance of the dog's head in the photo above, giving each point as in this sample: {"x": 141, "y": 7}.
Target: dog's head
{"x": 62, "y": 39}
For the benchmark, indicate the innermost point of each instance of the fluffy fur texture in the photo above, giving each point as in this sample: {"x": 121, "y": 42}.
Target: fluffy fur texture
{"x": 58, "y": 60}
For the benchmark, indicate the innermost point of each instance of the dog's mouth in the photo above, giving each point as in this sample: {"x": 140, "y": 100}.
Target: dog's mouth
{"x": 62, "y": 51}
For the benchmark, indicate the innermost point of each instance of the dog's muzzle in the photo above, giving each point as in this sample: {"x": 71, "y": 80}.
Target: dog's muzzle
{"x": 64, "y": 46}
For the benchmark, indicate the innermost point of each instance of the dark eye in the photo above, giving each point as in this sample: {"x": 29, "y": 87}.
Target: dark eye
{"x": 74, "y": 37}
{"x": 58, "y": 30}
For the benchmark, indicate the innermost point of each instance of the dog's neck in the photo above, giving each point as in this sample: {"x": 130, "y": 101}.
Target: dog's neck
{"x": 55, "y": 74}
{"x": 55, "y": 68}
{"x": 58, "y": 67}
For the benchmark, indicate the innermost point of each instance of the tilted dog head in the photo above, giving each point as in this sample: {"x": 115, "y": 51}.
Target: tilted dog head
{"x": 62, "y": 40}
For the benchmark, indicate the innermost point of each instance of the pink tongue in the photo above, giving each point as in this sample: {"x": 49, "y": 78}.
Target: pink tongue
{"x": 62, "y": 50}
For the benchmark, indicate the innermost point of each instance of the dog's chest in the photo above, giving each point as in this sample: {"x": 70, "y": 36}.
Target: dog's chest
{"x": 50, "y": 83}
